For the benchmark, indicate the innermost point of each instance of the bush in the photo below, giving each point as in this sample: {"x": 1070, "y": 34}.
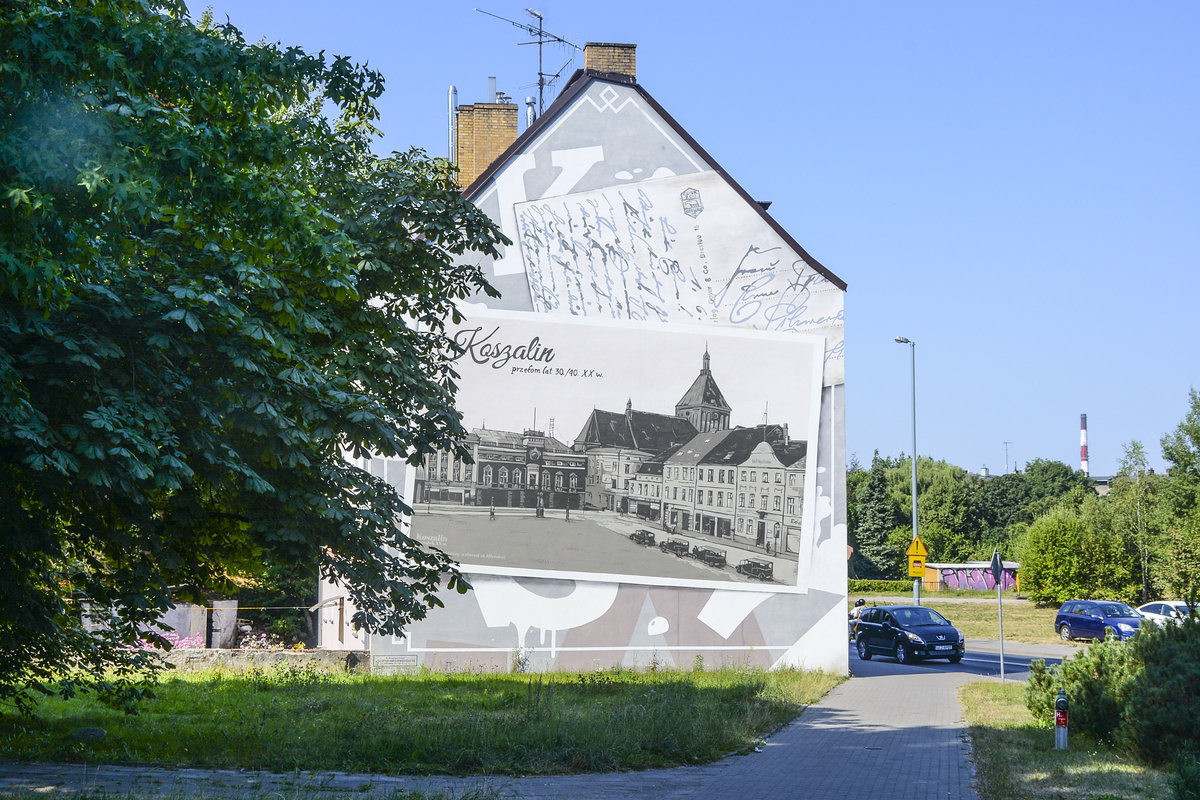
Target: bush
{"x": 1162, "y": 712}
{"x": 1185, "y": 783}
{"x": 1096, "y": 681}
{"x": 879, "y": 586}
{"x": 1143, "y": 696}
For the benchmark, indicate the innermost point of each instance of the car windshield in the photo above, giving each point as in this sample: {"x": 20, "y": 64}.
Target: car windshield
{"x": 919, "y": 615}
{"x": 1117, "y": 610}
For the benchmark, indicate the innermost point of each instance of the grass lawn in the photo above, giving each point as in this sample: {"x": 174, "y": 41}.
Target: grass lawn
{"x": 289, "y": 719}
{"x": 1015, "y": 757}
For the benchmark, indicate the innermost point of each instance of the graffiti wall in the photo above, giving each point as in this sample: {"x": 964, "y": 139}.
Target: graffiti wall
{"x": 975, "y": 577}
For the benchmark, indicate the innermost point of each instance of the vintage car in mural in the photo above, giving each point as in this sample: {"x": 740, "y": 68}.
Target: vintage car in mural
{"x": 642, "y": 536}
{"x": 680, "y": 547}
{"x": 757, "y": 568}
{"x": 709, "y": 555}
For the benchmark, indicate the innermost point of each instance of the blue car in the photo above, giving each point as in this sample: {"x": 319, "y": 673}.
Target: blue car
{"x": 1096, "y": 619}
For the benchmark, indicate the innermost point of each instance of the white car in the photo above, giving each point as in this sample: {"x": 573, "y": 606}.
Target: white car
{"x": 1164, "y": 611}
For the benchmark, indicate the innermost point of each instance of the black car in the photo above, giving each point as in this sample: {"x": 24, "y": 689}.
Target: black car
{"x": 709, "y": 555}
{"x": 679, "y": 547}
{"x": 757, "y": 568}
{"x": 908, "y": 633}
{"x": 642, "y": 536}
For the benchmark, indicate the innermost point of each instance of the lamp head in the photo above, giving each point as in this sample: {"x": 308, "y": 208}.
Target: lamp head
{"x": 902, "y": 340}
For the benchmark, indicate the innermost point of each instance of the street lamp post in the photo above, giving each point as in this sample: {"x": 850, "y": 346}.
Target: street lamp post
{"x": 912, "y": 352}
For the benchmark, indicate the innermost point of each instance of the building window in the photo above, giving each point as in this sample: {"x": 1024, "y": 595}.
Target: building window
{"x": 776, "y": 504}
{"x": 504, "y": 476}
{"x": 762, "y": 503}
{"x": 753, "y": 476}
{"x": 487, "y": 475}
{"x": 741, "y": 498}
{"x": 791, "y": 505}
{"x": 779, "y": 477}
{"x": 720, "y": 499}
{"x": 743, "y": 474}
{"x": 721, "y": 476}
{"x": 792, "y": 480}
{"x": 558, "y": 481}
{"x": 573, "y": 483}
{"x": 740, "y": 521}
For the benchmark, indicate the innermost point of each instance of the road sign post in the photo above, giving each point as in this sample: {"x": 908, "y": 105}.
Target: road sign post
{"x": 998, "y": 574}
{"x": 916, "y": 566}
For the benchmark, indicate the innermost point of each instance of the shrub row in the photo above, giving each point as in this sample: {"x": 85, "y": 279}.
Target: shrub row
{"x": 875, "y": 587}
{"x": 1142, "y": 696}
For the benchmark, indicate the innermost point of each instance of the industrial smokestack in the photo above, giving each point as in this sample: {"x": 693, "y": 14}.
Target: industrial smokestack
{"x": 1083, "y": 453}
{"x": 453, "y": 103}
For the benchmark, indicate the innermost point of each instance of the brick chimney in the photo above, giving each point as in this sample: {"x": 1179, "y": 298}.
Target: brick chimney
{"x": 620, "y": 59}
{"x": 482, "y": 132}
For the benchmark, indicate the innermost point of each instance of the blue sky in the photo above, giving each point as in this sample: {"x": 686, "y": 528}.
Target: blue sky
{"x": 1013, "y": 186}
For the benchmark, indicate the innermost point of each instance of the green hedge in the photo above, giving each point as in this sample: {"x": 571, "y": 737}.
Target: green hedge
{"x": 876, "y": 587}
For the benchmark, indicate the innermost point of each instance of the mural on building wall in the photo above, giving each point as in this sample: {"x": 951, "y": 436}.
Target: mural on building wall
{"x": 713, "y": 352}
{"x": 660, "y": 452}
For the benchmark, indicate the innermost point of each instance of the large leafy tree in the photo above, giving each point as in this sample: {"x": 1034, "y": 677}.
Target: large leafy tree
{"x": 1180, "y": 494}
{"x": 210, "y": 292}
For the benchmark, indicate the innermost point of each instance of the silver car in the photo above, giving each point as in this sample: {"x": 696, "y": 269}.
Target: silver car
{"x": 1165, "y": 611}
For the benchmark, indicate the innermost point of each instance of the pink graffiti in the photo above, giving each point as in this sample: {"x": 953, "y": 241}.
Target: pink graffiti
{"x": 978, "y": 578}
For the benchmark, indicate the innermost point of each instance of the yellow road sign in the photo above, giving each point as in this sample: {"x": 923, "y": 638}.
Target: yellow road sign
{"x": 917, "y": 548}
{"x": 916, "y": 567}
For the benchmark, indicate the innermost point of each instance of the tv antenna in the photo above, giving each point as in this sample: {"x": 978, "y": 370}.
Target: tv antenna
{"x": 543, "y": 37}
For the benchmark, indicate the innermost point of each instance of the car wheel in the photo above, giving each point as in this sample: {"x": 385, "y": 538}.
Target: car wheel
{"x": 864, "y": 652}
{"x": 902, "y": 654}
{"x": 956, "y": 659}
{"x": 1064, "y": 633}
{"x": 1111, "y": 632}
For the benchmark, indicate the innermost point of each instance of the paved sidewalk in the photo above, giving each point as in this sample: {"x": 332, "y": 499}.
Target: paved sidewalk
{"x": 896, "y": 736}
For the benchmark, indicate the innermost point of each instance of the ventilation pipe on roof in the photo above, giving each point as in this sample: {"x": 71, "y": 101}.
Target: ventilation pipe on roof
{"x": 452, "y": 103}
{"x": 492, "y": 89}
{"x": 529, "y": 116}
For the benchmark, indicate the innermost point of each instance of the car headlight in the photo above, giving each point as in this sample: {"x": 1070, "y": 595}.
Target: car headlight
{"x": 912, "y": 637}
{"x": 1125, "y": 627}
{"x": 961, "y": 636}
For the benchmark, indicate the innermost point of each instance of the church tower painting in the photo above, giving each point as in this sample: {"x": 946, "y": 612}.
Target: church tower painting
{"x": 702, "y": 404}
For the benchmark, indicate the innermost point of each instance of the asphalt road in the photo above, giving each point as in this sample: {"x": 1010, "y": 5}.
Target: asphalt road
{"x": 982, "y": 658}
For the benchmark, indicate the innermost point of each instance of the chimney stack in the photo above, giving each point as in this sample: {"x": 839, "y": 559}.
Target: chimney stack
{"x": 610, "y": 58}
{"x": 1083, "y": 451}
{"x": 482, "y": 132}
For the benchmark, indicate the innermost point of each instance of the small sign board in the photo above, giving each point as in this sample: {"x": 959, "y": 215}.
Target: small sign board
{"x": 916, "y": 567}
{"x": 997, "y": 567}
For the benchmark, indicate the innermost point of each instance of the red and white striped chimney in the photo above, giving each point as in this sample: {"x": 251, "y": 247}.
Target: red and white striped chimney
{"x": 1083, "y": 454}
